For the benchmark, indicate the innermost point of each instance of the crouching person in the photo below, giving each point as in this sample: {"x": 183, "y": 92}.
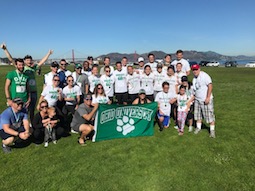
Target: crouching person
{"x": 14, "y": 124}
{"x": 83, "y": 119}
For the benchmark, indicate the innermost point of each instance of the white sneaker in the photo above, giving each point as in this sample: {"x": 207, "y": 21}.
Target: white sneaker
{"x": 197, "y": 131}
{"x": 212, "y": 134}
{"x": 176, "y": 127}
{"x": 54, "y": 142}
{"x": 73, "y": 131}
{"x": 190, "y": 128}
{"x": 46, "y": 144}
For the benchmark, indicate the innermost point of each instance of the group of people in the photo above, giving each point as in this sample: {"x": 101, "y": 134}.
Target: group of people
{"x": 75, "y": 96}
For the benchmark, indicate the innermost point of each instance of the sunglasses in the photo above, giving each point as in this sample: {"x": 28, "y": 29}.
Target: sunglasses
{"x": 88, "y": 99}
{"x": 43, "y": 107}
{"x": 56, "y": 80}
{"x": 63, "y": 64}
{"x": 70, "y": 80}
{"x": 99, "y": 88}
{"x": 107, "y": 70}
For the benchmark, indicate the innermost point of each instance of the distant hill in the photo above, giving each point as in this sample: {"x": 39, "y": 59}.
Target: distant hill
{"x": 192, "y": 55}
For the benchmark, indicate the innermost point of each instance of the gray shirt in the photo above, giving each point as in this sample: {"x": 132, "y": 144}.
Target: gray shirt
{"x": 81, "y": 80}
{"x": 77, "y": 118}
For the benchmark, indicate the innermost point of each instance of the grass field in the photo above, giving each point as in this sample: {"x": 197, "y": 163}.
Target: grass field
{"x": 164, "y": 161}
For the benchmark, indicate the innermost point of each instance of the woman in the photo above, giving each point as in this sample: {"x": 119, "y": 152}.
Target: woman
{"x": 99, "y": 95}
{"x": 71, "y": 95}
{"x": 107, "y": 81}
{"x": 141, "y": 98}
{"x": 40, "y": 121}
{"x": 147, "y": 82}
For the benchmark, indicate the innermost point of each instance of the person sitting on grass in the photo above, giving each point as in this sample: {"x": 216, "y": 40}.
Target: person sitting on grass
{"x": 142, "y": 99}
{"x": 13, "y": 124}
{"x": 164, "y": 98}
{"x": 51, "y": 123}
{"x": 183, "y": 102}
{"x": 83, "y": 119}
{"x": 99, "y": 95}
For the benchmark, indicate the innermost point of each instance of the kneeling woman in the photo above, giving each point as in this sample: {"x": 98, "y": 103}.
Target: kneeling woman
{"x": 83, "y": 119}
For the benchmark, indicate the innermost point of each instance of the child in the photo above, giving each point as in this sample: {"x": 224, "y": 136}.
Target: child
{"x": 51, "y": 122}
{"x": 179, "y": 73}
{"x": 183, "y": 101}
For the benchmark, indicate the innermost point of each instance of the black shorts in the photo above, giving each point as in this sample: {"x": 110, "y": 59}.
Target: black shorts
{"x": 121, "y": 97}
{"x": 5, "y": 135}
{"x": 150, "y": 97}
{"x": 132, "y": 97}
{"x": 68, "y": 108}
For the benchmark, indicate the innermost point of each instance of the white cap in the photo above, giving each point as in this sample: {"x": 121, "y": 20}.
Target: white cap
{"x": 140, "y": 59}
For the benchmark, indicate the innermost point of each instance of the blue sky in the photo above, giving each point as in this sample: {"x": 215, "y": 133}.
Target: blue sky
{"x": 99, "y": 27}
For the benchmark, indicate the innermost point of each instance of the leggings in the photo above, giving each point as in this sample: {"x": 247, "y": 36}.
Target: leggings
{"x": 181, "y": 118}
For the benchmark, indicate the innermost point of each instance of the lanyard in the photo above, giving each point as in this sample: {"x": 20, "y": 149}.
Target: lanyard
{"x": 165, "y": 99}
{"x": 19, "y": 77}
{"x": 77, "y": 80}
{"x": 16, "y": 116}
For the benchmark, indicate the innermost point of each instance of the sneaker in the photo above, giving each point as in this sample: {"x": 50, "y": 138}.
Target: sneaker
{"x": 176, "y": 127}
{"x": 190, "y": 129}
{"x": 46, "y": 144}
{"x": 212, "y": 134}
{"x": 73, "y": 131}
{"x": 6, "y": 149}
{"x": 54, "y": 142}
{"x": 197, "y": 131}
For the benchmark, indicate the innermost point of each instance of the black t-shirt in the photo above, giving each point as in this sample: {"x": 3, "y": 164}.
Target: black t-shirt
{"x": 37, "y": 121}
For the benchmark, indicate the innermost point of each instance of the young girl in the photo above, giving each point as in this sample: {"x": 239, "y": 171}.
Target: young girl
{"x": 99, "y": 95}
{"x": 183, "y": 102}
{"x": 179, "y": 73}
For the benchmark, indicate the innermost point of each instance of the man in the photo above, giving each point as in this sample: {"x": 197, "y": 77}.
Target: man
{"x": 147, "y": 82}
{"x": 81, "y": 80}
{"x": 83, "y": 119}
{"x": 159, "y": 78}
{"x": 152, "y": 62}
{"x": 63, "y": 73}
{"x": 13, "y": 124}
{"x": 90, "y": 60}
{"x": 30, "y": 70}
{"x": 124, "y": 62}
{"x": 120, "y": 84}
{"x": 140, "y": 68}
{"x": 86, "y": 68}
{"x": 203, "y": 105}
{"x": 185, "y": 63}
{"x": 133, "y": 82}
{"x": 107, "y": 62}
{"x": 107, "y": 82}
{"x": 49, "y": 76}
{"x": 16, "y": 84}
{"x": 165, "y": 98}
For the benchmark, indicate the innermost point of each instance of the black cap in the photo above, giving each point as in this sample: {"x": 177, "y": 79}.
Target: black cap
{"x": 54, "y": 64}
{"x": 184, "y": 79}
{"x": 18, "y": 100}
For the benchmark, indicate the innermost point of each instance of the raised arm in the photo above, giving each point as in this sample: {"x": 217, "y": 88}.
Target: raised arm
{"x": 45, "y": 58}
{"x": 7, "y": 53}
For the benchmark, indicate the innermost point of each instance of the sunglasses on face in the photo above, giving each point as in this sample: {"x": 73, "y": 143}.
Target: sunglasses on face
{"x": 63, "y": 64}
{"x": 44, "y": 106}
{"x": 88, "y": 99}
{"x": 100, "y": 88}
{"x": 107, "y": 70}
{"x": 70, "y": 80}
{"x": 55, "y": 80}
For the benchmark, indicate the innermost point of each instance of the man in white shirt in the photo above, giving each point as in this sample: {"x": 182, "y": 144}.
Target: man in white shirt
{"x": 63, "y": 73}
{"x": 152, "y": 62}
{"x": 159, "y": 78}
{"x": 164, "y": 99}
{"x": 147, "y": 82}
{"x": 140, "y": 68}
{"x": 120, "y": 84}
{"x": 185, "y": 63}
{"x": 107, "y": 62}
{"x": 124, "y": 62}
{"x": 203, "y": 105}
{"x": 133, "y": 82}
{"x": 49, "y": 76}
{"x": 167, "y": 61}
{"x": 107, "y": 82}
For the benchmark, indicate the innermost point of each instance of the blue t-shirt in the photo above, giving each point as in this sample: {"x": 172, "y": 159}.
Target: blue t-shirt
{"x": 15, "y": 120}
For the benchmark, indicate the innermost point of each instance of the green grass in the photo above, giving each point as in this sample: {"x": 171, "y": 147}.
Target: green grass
{"x": 164, "y": 161}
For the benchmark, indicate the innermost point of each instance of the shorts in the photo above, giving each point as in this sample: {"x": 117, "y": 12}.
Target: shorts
{"x": 5, "y": 135}
{"x": 76, "y": 127}
{"x": 132, "y": 97}
{"x": 204, "y": 111}
{"x": 166, "y": 119}
{"x": 121, "y": 97}
{"x": 150, "y": 97}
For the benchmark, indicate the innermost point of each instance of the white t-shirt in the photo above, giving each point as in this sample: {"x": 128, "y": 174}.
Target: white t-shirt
{"x": 200, "y": 86}
{"x": 172, "y": 80}
{"x": 88, "y": 73}
{"x": 51, "y": 94}
{"x": 71, "y": 93}
{"x": 147, "y": 83}
{"x": 152, "y": 65}
{"x": 100, "y": 99}
{"x": 93, "y": 81}
{"x": 182, "y": 102}
{"x": 164, "y": 101}
{"x": 120, "y": 81}
{"x": 48, "y": 79}
{"x": 185, "y": 64}
{"x": 107, "y": 82}
{"x": 159, "y": 78}
{"x": 140, "y": 70}
{"x": 179, "y": 76}
{"x": 134, "y": 84}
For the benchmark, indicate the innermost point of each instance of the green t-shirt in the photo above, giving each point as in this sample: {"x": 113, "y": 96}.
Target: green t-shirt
{"x": 30, "y": 72}
{"x": 18, "y": 85}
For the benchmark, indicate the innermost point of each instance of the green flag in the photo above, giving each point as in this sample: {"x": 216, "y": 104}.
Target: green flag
{"x": 115, "y": 121}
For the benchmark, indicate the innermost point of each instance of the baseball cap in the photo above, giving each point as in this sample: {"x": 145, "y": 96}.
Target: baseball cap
{"x": 18, "y": 100}
{"x": 140, "y": 59}
{"x": 195, "y": 67}
{"x": 88, "y": 97}
{"x": 142, "y": 91}
{"x": 159, "y": 65}
{"x": 78, "y": 65}
{"x": 54, "y": 64}
{"x": 184, "y": 79}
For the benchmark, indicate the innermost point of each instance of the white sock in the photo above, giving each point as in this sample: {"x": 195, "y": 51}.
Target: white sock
{"x": 212, "y": 127}
{"x": 4, "y": 145}
{"x": 199, "y": 125}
